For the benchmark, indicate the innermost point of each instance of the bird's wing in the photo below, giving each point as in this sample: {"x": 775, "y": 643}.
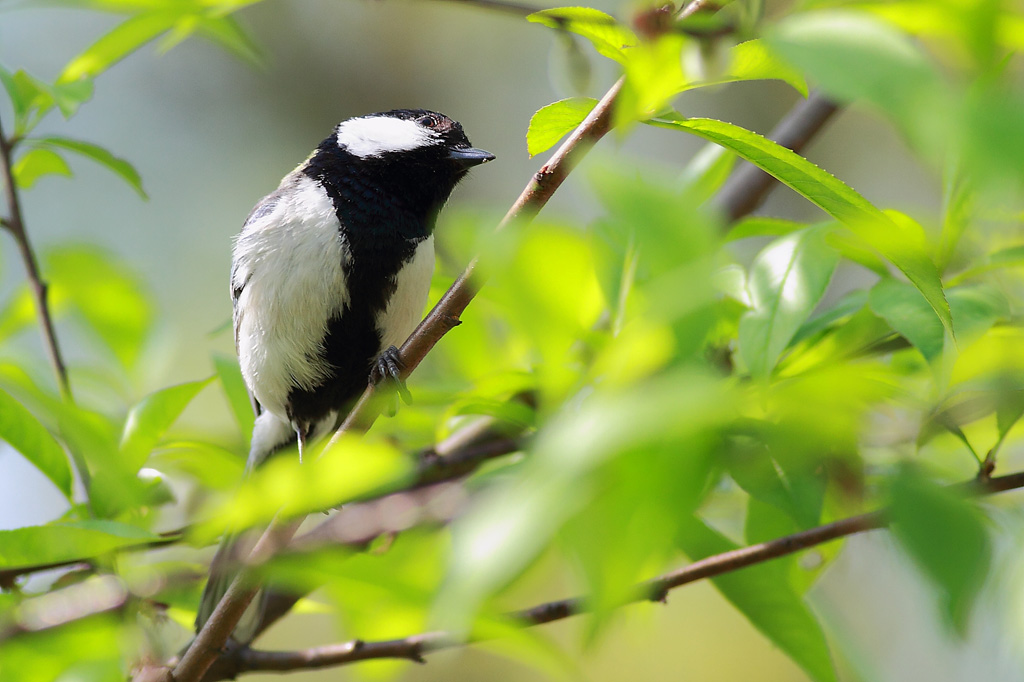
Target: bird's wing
{"x": 261, "y": 212}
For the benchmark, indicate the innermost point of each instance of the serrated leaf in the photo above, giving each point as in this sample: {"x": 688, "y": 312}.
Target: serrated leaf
{"x": 902, "y": 248}
{"x": 234, "y": 389}
{"x": 763, "y": 595}
{"x": 786, "y": 281}
{"x": 555, "y": 120}
{"x": 117, "y": 44}
{"x": 149, "y": 420}
{"x": 24, "y": 433}
{"x": 946, "y": 537}
{"x": 610, "y": 38}
{"x": 98, "y": 154}
{"x": 37, "y": 163}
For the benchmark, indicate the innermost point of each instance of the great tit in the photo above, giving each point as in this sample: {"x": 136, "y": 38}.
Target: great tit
{"x": 330, "y": 274}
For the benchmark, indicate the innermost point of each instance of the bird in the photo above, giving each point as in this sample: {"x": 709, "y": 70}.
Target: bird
{"x": 329, "y": 275}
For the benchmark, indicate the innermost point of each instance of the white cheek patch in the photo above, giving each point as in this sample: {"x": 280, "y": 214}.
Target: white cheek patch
{"x": 379, "y": 135}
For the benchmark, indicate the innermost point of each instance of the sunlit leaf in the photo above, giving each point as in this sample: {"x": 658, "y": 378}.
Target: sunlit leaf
{"x": 654, "y": 75}
{"x": 117, "y": 44}
{"x": 37, "y": 163}
{"x": 212, "y": 466}
{"x": 903, "y": 307}
{"x": 24, "y": 433}
{"x": 763, "y": 595}
{"x": 551, "y": 122}
{"x": 609, "y": 37}
{"x": 946, "y": 537}
{"x": 762, "y": 226}
{"x": 786, "y": 281}
{"x": 707, "y": 171}
{"x": 750, "y": 60}
{"x": 902, "y": 248}
{"x": 98, "y": 154}
{"x": 149, "y": 420}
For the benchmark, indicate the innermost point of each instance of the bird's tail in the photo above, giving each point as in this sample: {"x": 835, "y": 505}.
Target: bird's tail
{"x": 269, "y": 435}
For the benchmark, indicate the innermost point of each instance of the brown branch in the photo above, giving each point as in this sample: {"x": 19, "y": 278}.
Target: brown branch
{"x": 15, "y": 224}
{"x": 414, "y": 647}
{"x": 514, "y": 8}
{"x": 745, "y": 189}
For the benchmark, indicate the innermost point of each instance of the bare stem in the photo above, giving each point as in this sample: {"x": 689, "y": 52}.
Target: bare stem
{"x": 15, "y": 224}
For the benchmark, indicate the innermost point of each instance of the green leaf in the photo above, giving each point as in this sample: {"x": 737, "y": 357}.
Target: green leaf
{"x": 228, "y": 33}
{"x": 124, "y": 39}
{"x": 36, "y": 163}
{"x": 707, "y": 171}
{"x": 853, "y": 55}
{"x": 750, "y": 60}
{"x": 211, "y": 466}
{"x": 786, "y": 281}
{"x": 762, "y": 226}
{"x": 98, "y": 154}
{"x": 111, "y": 299}
{"x": 900, "y": 245}
{"x": 906, "y": 311}
{"x": 946, "y": 537}
{"x": 234, "y": 389}
{"x": 26, "y": 93}
{"x": 57, "y": 542}
{"x": 763, "y": 594}
{"x": 610, "y": 38}
{"x": 551, "y": 122}
{"x": 149, "y": 420}
{"x": 24, "y": 433}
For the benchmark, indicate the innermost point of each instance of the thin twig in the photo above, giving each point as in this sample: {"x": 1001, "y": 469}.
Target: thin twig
{"x": 15, "y": 224}
{"x": 514, "y": 8}
{"x": 416, "y": 646}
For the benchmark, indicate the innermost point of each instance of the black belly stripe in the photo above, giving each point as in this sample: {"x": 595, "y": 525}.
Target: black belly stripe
{"x": 382, "y": 238}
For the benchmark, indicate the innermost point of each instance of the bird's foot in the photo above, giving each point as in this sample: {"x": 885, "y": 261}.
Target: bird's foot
{"x": 388, "y": 368}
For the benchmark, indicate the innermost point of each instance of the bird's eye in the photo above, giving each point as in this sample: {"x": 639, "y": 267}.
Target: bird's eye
{"x": 428, "y": 121}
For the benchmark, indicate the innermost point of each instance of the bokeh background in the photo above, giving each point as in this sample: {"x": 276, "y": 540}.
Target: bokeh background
{"x": 211, "y": 134}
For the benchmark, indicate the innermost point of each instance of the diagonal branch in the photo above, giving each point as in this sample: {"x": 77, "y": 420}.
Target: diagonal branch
{"x": 657, "y": 589}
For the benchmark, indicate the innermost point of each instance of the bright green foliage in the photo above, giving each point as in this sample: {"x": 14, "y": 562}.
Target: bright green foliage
{"x": 98, "y": 154}
{"x": 66, "y": 541}
{"x": 786, "y": 281}
{"x": 550, "y": 123}
{"x": 149, "y": 420}
{"x": 37, "y": 163}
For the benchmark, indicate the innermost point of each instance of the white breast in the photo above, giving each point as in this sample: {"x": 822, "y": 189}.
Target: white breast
{"x": 405, "y": 309}
{"x": 290, "y": 265}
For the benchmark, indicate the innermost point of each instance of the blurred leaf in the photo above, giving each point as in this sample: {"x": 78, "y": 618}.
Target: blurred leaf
{"x": 654, "y": 75}
{"x": 707, "y": 171}
{"x": 355, "y": 467}
{"x": 786, "y": 281}
{"x": 234, "y": 389}
{"x": 850, "y": 303}
{"x": 26, "y": 94}
{"x": 24, "y": 433}
{"x": 762, "y": 593}
{"x": 750, "y": 60}
{"x": 97, "y": 154}
{"x": 513, "y": 412}
{"x": 852, "y": 55}
{"x": 228, "y": 33}
{"x": 117, "y": 44}
{"x": 19, "y": 313}
{"x": 901, "y": 247}
{"x": 762, "y": 226}
{"x": 610, "y": 38}
{"x": 946, "y": 537}
{"x": 508, "y": 528}
{"x": 149, "y": 420}
{"x": 73, "y": 540}
{"x": 87, "y": 650}
{"x": 36, "y": 163}
{"x": 906, "y": 311}
{"x": 111, "y": 299}
{"x": 211, "y": 466}
{"x": 1010, "y": 257}
{"x": 554, "y": 120}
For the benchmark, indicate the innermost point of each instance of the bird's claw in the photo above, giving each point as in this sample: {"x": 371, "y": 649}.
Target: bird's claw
{"x": 388, "y": 368}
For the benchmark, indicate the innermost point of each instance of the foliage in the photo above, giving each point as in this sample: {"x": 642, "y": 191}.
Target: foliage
{"x": 652, "y": 375}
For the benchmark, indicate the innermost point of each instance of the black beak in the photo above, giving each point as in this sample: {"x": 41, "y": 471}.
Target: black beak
{"x": 467, "y": 157}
